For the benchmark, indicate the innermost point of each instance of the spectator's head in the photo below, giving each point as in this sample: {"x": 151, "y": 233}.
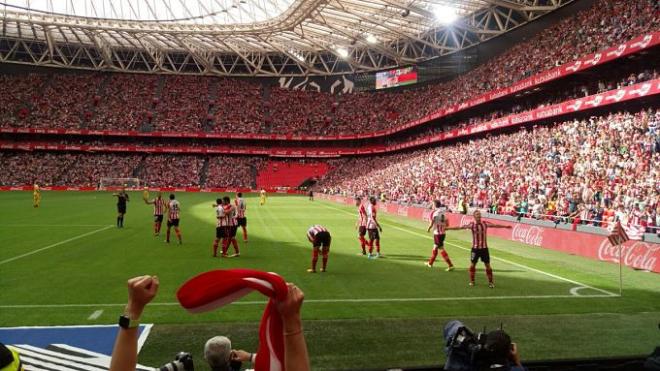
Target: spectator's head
{"x": 171, "y": 196}
{"x": 217, "y": 353}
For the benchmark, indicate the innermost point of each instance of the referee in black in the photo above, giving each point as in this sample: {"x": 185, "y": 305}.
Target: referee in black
{"x": 122, "y": 199}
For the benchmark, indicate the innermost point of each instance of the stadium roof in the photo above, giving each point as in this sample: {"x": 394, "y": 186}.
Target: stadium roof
{"x": 252, "y": 37}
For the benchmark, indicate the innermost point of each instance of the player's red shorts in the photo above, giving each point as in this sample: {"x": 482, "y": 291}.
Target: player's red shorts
{"x": 439, "y": 240}
{"x": 173, "y": 222}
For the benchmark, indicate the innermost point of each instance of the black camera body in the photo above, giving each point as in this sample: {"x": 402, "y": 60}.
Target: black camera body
{"x": 467, "y": 351}
{"x": 183, "y": 361}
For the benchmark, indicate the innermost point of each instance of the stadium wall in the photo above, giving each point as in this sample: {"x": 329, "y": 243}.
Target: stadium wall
{"x": 635, "y": 254}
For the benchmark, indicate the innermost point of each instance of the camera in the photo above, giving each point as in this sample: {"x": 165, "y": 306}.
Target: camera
{"x": 467, "y": 351}
{"x": 183, "y": 361}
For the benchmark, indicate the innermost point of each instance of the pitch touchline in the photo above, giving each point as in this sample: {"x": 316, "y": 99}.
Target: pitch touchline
{"x": 313, "y": 301}
{"x": 50, "y": 225}
{"x": 608, "y": 293}
{"x": 55, "y": 245}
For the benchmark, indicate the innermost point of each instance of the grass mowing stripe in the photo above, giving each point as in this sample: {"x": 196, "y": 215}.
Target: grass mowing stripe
{"x": 55, "y": 245}
{"x": 607, "y": 293}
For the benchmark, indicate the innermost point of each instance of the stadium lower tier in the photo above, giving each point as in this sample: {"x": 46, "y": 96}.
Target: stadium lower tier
{"x": 589, "y": 168}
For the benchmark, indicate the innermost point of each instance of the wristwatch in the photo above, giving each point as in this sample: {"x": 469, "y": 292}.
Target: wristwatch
{"x": 127, "y": 323}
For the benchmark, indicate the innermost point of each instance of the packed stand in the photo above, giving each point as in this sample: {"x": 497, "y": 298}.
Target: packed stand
{"x": 587, "y": 171}
{"x": 126, "y": 104}
{"x": 300, "y": 112}
{"x": 64, "y": 169}
{"x": 16, "y": 94}
{"x": 233, "y": 171}
{"x": 183, "y": 104}
{"x": 239, "y": 107}
{"x": 171, "y": 170}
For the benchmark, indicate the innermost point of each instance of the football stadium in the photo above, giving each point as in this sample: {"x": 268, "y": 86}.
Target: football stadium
{"x": 294, "y": 185}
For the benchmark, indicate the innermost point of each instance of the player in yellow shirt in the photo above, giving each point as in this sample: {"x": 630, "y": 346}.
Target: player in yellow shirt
{"x": 36, "y": 195}
{"x": 145, "y": 194}
{"x": 262, "y": 197}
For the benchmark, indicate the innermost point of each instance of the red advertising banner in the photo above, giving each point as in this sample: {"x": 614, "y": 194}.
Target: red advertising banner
{"x": 637, "y": 91}
{"x": 635, "y": 45}
{"x": 634, "y": 254}
{"x": 152, "y": 189}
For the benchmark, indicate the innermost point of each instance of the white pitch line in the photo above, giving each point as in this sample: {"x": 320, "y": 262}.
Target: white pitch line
{"x": 328, "y": 301}
{"x": 608, "y": 293}
{"x": 50, "y": 225}
{"x": 55, "y": 245}
{"x": 96, "y": 314}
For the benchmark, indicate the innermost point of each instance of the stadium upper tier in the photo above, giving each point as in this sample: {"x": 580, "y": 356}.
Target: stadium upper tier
{"x": 199, "y": 104}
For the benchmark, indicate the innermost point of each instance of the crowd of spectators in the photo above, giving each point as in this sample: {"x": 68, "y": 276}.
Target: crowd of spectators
{"x": 239, "y": 107}
{"x": 233, "y": 171}
{"x": 185, "y": 103}
{"x": 593, "y": 169}
{"x": 64, "y": 169}
{"x": 171, "y": 170}
{"x": 126, "y": 104}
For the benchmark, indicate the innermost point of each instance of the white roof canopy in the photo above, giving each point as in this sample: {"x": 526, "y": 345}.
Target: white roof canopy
{"x": 252, "y": 37}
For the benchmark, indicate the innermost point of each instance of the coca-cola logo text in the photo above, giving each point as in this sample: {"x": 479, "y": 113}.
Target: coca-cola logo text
{"x": 640, "y": 255}
{"x": 530, "y": 235}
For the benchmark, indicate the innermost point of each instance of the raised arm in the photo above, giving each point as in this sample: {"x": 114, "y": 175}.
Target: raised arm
{"x": 492, "y": 225}
{"x": 141, "y": 290}
{"x": 295, "y": 347}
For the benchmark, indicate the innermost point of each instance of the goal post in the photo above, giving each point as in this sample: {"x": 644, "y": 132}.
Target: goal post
{"x": 113, "y": 183}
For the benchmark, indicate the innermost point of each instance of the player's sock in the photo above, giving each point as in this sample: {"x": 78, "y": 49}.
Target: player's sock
{"x": 121, "y": 221}
{"x": 325, "y": 260}
{"x": 371, "y": 246}
{"x": 489, "y": 274}
{"x": 235, "y": 244}
{"x": 472, "y": 272}
{"x": 434, "y": 255}
{"x": 445, "y": 257}
{"x": 167, "y": 236}
{"x": 315, "y": 258}
{"x": 118, "y": 222}
{"x": 378, "y": 246}
{"x": 244, "y": 234}
{"x": 363, "y": 244}
{"x": 178, "y": 235}
{"x": 225, "y": 246}
{"x": 156, "y": 228}
{"x": 215, "y": 248}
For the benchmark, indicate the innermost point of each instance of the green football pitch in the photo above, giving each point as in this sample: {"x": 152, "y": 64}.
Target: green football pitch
{"x": 65, "y": 263}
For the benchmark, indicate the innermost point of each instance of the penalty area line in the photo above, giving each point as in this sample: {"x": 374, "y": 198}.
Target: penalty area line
{"x": 573, "y": 292}
{"x": 329, "y": 301}
{"x": 55, "y": 245}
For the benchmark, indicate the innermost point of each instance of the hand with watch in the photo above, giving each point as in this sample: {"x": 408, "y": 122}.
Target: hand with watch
{"x": 141, "y": 290}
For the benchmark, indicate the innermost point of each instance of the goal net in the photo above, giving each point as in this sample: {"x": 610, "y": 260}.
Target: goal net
{"x": 113, "y": 183}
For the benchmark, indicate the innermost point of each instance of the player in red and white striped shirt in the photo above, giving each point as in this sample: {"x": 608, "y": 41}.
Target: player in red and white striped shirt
{"x": 219, "y": 227}
{"x": 438, "y": 221}
{"x": 320, "y": 238}
{"x": 361, "y": 224}
{"x": 241, "y": 206}
{"x": 173, "y": 215}
{"x": 479, "y": 230}
{"x": 231, "y": 225}
{"x": 373, "y": 228}
{"x": 159, "y": 211}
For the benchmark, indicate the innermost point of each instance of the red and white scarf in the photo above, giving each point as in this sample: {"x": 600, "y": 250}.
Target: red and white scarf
{"x": 214, "y": 289}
